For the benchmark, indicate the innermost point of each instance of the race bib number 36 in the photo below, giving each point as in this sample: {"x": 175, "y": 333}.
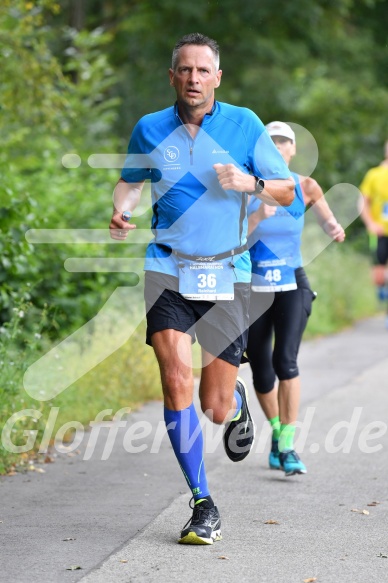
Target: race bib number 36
{"x": 206, "y": 281}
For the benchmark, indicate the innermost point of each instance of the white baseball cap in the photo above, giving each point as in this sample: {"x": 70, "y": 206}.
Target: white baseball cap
{"x": 279, "y": 128}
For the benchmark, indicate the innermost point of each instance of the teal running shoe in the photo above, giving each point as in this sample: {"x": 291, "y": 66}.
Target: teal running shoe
{"x": 291, "y": 463}
{"x": 274, "y": 462}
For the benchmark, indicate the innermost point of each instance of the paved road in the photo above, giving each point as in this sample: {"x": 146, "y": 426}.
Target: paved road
{"x": 124, "y": 513}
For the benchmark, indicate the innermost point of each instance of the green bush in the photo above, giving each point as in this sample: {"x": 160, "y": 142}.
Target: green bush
{"x": 345, "y": 293}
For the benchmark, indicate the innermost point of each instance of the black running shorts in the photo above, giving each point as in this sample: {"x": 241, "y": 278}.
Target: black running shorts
{"x": 382, "y": 250}
{"x": 220, "y": 327}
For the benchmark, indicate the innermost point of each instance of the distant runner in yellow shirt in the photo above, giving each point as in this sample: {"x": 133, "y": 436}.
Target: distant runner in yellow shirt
{"x": 374, "y": 189}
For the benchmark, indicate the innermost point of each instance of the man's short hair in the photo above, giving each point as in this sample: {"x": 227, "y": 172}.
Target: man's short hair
{"x": 196, "y": 38}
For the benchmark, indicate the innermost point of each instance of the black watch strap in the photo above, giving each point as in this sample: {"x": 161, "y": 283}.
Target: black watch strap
{"x": 260, "y": 185}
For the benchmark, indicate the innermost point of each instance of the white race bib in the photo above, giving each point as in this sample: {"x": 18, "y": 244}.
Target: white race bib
{"x": 211, "y": 281}
{"x": 273, "y": 275}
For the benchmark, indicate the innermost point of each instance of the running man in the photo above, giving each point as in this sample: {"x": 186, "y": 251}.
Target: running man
{"x": 374, "y": 189}
{"x": 275, "y": 241}
{"x": 202, "y": 158}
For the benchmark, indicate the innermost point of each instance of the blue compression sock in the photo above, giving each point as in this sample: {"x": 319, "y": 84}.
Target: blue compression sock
{"x": 186, "y": 438}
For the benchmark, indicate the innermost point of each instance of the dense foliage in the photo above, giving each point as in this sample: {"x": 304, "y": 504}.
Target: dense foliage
{"x": 76, "y": 76}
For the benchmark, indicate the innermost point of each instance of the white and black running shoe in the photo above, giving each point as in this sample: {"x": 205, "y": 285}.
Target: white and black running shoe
{"x": 240, "y": 434}
{"x": 203, "y": 528}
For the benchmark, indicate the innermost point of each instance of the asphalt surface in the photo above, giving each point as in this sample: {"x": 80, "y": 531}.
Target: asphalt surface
{"x": 119, "y": 518}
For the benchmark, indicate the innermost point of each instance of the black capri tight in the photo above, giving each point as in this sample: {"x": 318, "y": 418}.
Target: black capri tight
{"x": 285, "y": 319}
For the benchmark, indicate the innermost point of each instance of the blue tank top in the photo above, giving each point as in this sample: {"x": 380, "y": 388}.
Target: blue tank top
{"x": 192, "y": 214}
{"x": 274, "y": 245}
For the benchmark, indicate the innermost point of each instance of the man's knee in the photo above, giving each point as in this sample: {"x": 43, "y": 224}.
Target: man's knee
{"x": 217, "y": 409}
{"x": 174, "y": 379}
{"x": 379, "y": 275}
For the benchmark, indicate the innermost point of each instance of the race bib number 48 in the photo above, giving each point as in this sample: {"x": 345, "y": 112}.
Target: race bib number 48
{"x": 273, "y": 276}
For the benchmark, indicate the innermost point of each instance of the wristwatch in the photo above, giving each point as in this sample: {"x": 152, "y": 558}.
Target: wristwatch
{"x": 260, "y": 184}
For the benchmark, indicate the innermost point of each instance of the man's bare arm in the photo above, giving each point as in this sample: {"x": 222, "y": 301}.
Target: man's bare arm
{"x": 126, "y": 197}
{"x": 371, "y": 226}
{"x": 276, "y": 192}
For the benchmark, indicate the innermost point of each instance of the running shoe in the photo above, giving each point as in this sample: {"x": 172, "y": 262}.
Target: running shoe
{"x": 291, "y": 463}
{"x": 203, "y": 528}
{"x": 274, "y": 462}
{"x": 240, "y": 434}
